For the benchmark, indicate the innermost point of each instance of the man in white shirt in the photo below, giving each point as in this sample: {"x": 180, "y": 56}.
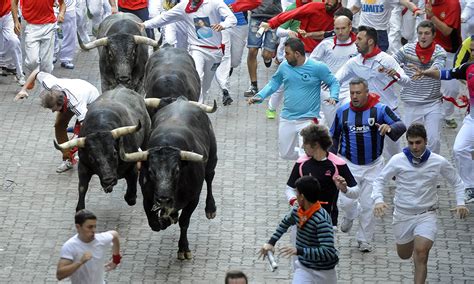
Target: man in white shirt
{"x": 204, "y": 23}
{"x": 335, "y": 52}
{"x": 83, "y": 256}
{"x": 414, "y": 218}
{"x": 67, "y": 97}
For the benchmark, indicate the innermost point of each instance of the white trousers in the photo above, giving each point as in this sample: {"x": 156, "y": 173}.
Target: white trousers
{"x": 449, "y": 88}
{"x": 304, "y": 275}
{"x": 99, "y": 9}
{"x": 82, "y": 21}
{"x": 463, "y": 151}
{"x": 39, "y": 47}
{"x": 207, "y": 60}
{"x": 430, "y": 115}
{"x": 328, "y": 110}
{"x": 289, "y": 137}
{"x": 275, "y": 99}
{"x": 10, "y": 42}
{"x": 67, "y": 47}
{"x": 234, "y": 40}
{"x": 394, "y": 33}
{"x": 363, "y": 207}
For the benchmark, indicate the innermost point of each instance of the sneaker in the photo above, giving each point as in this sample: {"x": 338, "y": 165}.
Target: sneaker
{"x": 55, "y": 59}
{"x": 451, "y": 123}
{"x": 20, "y": 79}
{"x": 226, "y": 99}
{"x": 64, "y": 166}
{"x": 271, "y": 114}
{"x": 365, "y": 247}
{"x": 9, "y": 71}
{"x": 346, "y": 224}
{"x": 252, "y": 91}
{"x": 267, "y": 63}
{"x": 67, "y": 65}
{"x": 469, "y": 195}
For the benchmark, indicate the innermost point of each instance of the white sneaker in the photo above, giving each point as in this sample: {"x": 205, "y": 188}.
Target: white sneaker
{"x": 64, "y": 166}
{"x": 20, "y": 79}
{"x": 346, "y": 224}
{"x": 365, "y": 247}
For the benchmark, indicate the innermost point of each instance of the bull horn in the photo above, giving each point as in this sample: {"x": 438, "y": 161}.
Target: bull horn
{"x": 133, "y": 157}
{"x": 204, "y": 107}
{"x": 191, "y": 156}
{"x": 90, "y": 45}
{"x": 122, "y": 131}
{"x": 152, "y": 102}
{"x": 77, "y": 142}
{"x": 145, "y": 40}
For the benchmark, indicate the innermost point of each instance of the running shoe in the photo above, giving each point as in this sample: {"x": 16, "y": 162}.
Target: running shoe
{"x": 252, "y": 91}
{"x": 226, "y": 99}
{"x": 20, "y": 79}
{"x": 67, "y": 65}
{"x": 271, "y": 114}
{"x": 267, "y": 63}
{"x": 451, "y": 123}
{"x": 365, "y": 247}
{"x": 346, "y": 224}
{"x": 469, "y": 195}
{"x": 64, "y": 166}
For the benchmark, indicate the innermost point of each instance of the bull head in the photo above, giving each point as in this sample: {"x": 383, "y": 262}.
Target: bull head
{"x": 81, "y": 142}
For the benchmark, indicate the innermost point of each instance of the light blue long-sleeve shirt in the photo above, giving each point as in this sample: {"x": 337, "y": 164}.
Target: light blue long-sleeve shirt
{"x": 302, "y": 87}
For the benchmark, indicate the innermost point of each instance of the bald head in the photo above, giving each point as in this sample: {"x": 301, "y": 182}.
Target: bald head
{"x": 342, "y": 28}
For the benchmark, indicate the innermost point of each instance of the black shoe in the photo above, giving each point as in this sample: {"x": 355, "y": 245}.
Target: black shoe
{"x": 9, "y": 71}
{"x": 268, "y": 64}
{"x": 252, "y": 91}
{"x": 226, "y": 99}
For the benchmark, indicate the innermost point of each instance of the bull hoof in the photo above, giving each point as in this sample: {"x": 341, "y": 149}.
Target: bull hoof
{"x": 210, "y": 215}
{"x": 182, "y": 255}
{"x": 131, "y": 200}
{"x": 188, "y": 255}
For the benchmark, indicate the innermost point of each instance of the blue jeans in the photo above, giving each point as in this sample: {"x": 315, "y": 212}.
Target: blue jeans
{"x": 269, "y": 39}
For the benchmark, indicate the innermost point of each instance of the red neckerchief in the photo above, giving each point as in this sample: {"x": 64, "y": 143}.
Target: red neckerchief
{"x": 374, "y": 52}
{"x": 300, "y": 3}
{"x": 190, "y": 8}
{"x": 373, "y": 99}
{"x": 64, "y": 104}
{"x": 305, "y": 215}
{"x": 353, "y": 39}
{"x": 424, "y": 54}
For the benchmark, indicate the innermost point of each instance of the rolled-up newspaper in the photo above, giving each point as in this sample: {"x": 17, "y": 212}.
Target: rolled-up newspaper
{"x": 260, "y": 32}
{"x": 271, "y": 261}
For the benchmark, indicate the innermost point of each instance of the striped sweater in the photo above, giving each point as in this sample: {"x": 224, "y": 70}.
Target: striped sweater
{"x": 314, "y": 242}
{"x": 424, "y": 90}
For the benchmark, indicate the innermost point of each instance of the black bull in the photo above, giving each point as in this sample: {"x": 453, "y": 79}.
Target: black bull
{"x": 123, "y": 51}
{"x": 117, "y": 113}
{"x": 171, "y": 72}
{"x": 182, "y": 154}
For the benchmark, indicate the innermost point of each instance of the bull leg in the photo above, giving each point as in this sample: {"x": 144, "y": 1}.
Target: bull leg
{"x": 131, "y": 195}
{"x": 84, "y": 179}
{"x": 210, "y": 203}
{"x": 184, "y": 218}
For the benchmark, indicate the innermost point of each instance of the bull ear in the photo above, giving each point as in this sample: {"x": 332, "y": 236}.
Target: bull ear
{"x": 204, "y": 107}
{"x": 77, "y": 142}
{"x": 191, "y": 156}
{"x": 122, "y": 131}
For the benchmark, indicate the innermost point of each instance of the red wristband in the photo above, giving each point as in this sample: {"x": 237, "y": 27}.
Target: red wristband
{"x": 292, "y": 201}
{"x": 416, "y": 9}
{"x": 116, "y": 258}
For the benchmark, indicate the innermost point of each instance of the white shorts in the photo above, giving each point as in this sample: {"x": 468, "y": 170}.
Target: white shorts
{"x": 305, "y": 275}
{"x": 406, "y": 227}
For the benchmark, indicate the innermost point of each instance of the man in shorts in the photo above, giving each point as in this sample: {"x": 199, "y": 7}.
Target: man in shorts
{"x": 414, "y": 218}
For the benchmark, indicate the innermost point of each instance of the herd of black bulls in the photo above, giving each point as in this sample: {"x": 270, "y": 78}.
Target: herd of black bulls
{"x": 165, "y": 140}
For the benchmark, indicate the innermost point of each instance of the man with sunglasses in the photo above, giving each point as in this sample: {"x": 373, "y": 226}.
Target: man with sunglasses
{"x": 416, "y": 201}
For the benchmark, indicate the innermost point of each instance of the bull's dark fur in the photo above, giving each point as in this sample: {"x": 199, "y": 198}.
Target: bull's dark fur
{"x": 113, "y": 109}
{"x": 171, "y": 72}
{"x": 170, "y": 182}
{"x": 122, "y": 61}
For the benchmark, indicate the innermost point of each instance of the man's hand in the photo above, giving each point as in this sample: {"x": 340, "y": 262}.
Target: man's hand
{"x": 114, "y": 9}
{"x": 383, "y": 128}
{"x": 418, "y": 72}
{"x": 217, "y": 27}
{"x": 17, "y": 28}
{"x": 60, "y": 17}
{"x": 263, "y": 251}
{"x": 110, "y": 266}
{"x": 287, "y": 251}
{"x": 330, "y": 101}
{"x": 303, "y": 33}
{"x": 379, "y": 209}
{"x": 340, "y": 183}
{"x": 264, "y": 25}
{"x": 461, "y": 211}
{"x": 21, "y": 95}
{"x": 428, "y": 10}
{"x": 254, "y": 99}
{"x": 86, "y": 257}
{"x": 389, "y": 72}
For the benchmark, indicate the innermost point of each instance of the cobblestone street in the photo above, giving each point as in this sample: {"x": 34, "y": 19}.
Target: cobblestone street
{"x": 37, "y": 205}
